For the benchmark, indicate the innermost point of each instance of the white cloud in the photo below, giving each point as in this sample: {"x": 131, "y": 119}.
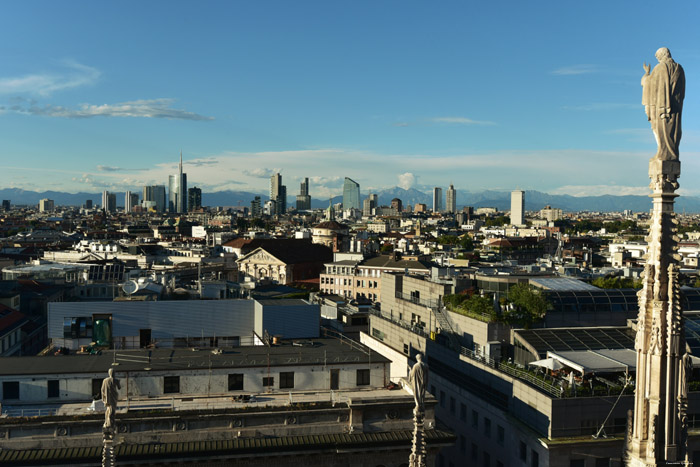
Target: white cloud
{"x": 260, "y": 172}
{"x": 107, "y": 168}
{"x": 598, "y": 190}
{"x": 460, "y": 121}
{"x": 576, "y": 70}
{"x": 407, "y": 180}
{"x": 145, "y": 108}
{"x": 71, "y": 75}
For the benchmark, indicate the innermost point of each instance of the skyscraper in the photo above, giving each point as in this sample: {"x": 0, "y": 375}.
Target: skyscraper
{"x": 517, "y": 207}
{"x": 437, "y": 199}
{"x": 109, "y": 201}
{"x": 154, "y": 195}
{"x": 194, "y": 198}
{"x": 451, "y": 200}
{"x": 351, "y": 194}
{"x": 303, "y": 198}
{"x": 255, "y": 207}
{"x": 177, "y": 190}
{"x": 278, "y": 194}
{"x": 130, "y": 200}
{"x": 46, "y": 205}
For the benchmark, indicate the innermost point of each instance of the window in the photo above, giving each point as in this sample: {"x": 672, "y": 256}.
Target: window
{"x": 475, "y": 419}
{"x": 487, "y": 459}
{"x": 405, "y": 349}
{"x": 171, "y": 384}
{"x": 363, "y": 377}
{"x": 499, "y": 464}
{"x": 501, "y": 435}
{"x": 453, "y": 404}
{"x": 96, "y": 388}
{"x": 462, "y": 444}
{"x": 10, "y": 390}
{"x": 475, "y": 451}
{"x": 534, "y": 459}
{"x": 74, "y": 328}
{"x": 577, "y": 463}
{"x": 268, "y": 382}
{"x": 487, "y": 427}
{"x": 286, "y": 380}
{"x": 52, "y": 388}
{"x": 442, "y": 399}
{"x": 523, "y": 451}
{"x": 235, "y": 382}
{"x": 462, "y": 412}
{"x": 602, "y": 462}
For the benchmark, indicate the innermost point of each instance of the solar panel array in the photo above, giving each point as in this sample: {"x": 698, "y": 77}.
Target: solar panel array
{"x": 560, "y": 339}
{"x": 106, "y": 272}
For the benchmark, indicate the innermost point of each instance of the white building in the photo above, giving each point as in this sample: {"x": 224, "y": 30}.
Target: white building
{"x": 517, "y": 207}
{"x": 46, "y": 205}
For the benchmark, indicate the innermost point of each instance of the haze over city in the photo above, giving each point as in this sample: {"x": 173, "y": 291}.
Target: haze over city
{"x": 103, "y": 96}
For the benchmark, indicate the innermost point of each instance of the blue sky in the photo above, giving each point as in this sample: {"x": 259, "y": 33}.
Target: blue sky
{"x": 485, "y": 95}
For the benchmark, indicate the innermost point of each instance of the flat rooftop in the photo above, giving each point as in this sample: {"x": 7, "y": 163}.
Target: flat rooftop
{"x": 293, "y": 352}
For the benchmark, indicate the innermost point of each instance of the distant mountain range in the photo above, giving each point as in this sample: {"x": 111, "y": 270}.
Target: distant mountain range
{"x": 534, "y": 200}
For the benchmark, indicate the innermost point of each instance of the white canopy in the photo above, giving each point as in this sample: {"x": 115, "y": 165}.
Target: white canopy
{"x": 549, "y": 363}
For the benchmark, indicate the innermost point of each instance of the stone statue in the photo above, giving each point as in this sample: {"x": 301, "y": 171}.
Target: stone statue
{"x": 663, "y": 90}
{"x": 418, "y": 377}
{"x": 110, "y": 386}
{"x": 685, "y": 372}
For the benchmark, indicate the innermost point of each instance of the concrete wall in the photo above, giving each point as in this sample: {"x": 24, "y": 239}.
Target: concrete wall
{"x": 78, "y": 387}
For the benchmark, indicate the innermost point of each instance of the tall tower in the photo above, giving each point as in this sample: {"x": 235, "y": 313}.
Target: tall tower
{"x": 351, "y": 194}
{"x": 278, "y": 194}
{"x": 177, "y": 188}
{"x": 303, "y": 198}
{"x": 437, "y": 199}
{"x": 658, "y": 430}
{"x": 451, "y": 199}
{"x": 517, "y": 207}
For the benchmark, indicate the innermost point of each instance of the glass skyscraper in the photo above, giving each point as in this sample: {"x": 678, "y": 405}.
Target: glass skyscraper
{"x": 351, "y": 194}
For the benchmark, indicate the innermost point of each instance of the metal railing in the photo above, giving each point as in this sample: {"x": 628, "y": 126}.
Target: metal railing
{"x": 418, "y": 301}
{"x": 551, "y": 389}
{"x": 10, "y": 412}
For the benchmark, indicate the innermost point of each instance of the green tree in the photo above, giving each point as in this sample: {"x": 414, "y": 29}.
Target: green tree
{"x": 466, "y": 242}
{"x": 447, "y": 240}
{"x": 616, "y": 282}
{"x": 496, "y": 221}
{"x": 528, "y": 305}
{"x": 479, "y": 305}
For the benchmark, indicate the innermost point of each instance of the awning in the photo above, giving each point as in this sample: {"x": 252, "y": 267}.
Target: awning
{"x": 602, "y": 361}
{"x": 549, "y": 363}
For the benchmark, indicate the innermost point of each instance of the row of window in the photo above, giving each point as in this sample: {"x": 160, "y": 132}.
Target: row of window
{"x": 171, "y": 384}
{"x": 485, "y": 426}
{"x": 10, "y": 340}
{"x": 348, "y": 282}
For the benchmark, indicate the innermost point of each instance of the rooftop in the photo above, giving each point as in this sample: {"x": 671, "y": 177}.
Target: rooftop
{"x": 297, "y": 352}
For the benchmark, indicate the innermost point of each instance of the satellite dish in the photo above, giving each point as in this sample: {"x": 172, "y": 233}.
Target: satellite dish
{"x": 130, "y": 287}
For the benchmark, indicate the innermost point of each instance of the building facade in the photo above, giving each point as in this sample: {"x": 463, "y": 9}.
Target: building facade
{"x": 278, "y": 194}
{"x": 451, "y": 200}
{"x": 517, "y": 207}
{"x": 154, "y": 197}
{"x": 46, "y": 205}
{"x": 194, "y": 198}
{"x": 303, "y": 198}
{"x": 437, "y": 199}
{"x": 351, "y": 195}
{"x": 109, "y": 201}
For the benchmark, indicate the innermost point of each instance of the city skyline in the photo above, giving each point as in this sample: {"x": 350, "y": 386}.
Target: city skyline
{"x": 397, "y": 94}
